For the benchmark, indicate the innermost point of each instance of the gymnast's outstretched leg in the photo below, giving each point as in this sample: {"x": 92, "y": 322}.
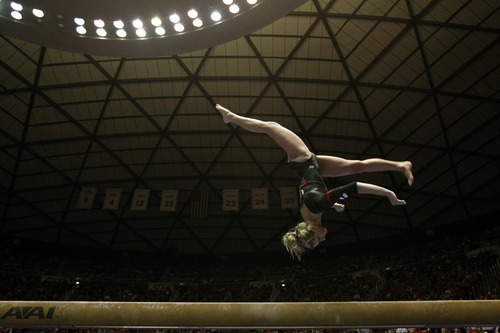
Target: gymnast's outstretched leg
{"x": 295, "y": 148}
{"x": 332, "y": 166}
{"x": 297, "y": 151}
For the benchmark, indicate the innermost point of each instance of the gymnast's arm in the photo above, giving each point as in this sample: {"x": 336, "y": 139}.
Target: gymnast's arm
{"x": 317, "y": 202}
{"x": 364, "y": 188}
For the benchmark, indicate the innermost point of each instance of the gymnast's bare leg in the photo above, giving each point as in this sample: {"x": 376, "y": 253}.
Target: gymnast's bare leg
{"x": 297, "y": 151}
{"x": 332, "y": 166}
{"x": 295, "y": 148}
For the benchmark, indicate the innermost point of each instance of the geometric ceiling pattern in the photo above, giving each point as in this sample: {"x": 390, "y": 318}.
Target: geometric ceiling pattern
{"x": 402, "y": 80}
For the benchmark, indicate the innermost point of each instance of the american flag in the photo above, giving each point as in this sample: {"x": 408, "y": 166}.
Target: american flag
{"x": 199, "y": 203}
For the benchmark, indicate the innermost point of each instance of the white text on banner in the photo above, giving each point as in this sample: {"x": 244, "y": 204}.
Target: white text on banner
{"x": 288, "y": 197}
{"x": 140, "y": 199}
{"x": 169, "y": 200}
{"x": 231, "y": 200}
{"x": 86, "y": 198}
{"x": 112, "y": 198}
{"x": 260, "y": 198}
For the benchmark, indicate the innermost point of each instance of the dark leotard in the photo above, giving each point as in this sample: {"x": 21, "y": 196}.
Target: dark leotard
{"x": 312, "y": 188}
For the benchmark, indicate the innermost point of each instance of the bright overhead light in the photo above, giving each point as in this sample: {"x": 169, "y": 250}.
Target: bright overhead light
{"x": 16, "y": 6}
{"x": 215, "y": 16}
{"x": 99, "y": 23}
{"x": 156, "y": 21}
{"x": 170, "y": 20}
{"x": 140, "y": 32}
{"x": 38, "y": 13}
{"x": 81, "y": 30}
{"x": 234, "y": 8}
{"x": 179, "y": 27}
{"x": 101, "y": 32}
{"x": 16, "y": 15}
{"x": 118, "y": 24}
{"x": 79, "y": 21}
{"x": 137, "y": 24}
{"x": 160, "y": 31}
{"x": 174, "y": 18}
{"x": 197, "y": 22}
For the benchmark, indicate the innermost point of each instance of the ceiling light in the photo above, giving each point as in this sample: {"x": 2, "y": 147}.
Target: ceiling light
{"x": 101, "y": 32}
{"x": 174, "y": 18}
{"x": 79, "y": 21}
{"x": 99, "y": 23}
{"x": 179, "y": 27}
{"x": 234, "y": 8}
{"x": 156, "y": 21}
{"x": 191, "y": 28}
{"x": 140, "y": 32}
{"x": 118, "y": 24}
{"x": 137, "y": 24}
{"x": 215, "y": 16}
{"x": 197, "y": 22}
{"x": 81, "y": 30}
{"x": 16, "y": 6}
{"x": 16, "y": 15}
{"x": 160, "y": 31}
{"x": 38, "y": 13}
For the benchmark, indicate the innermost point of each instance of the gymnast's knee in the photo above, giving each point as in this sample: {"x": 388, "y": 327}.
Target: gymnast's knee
{"x": 357, "y": 166}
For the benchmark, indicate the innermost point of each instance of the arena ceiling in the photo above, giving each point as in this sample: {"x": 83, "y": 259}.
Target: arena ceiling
{"x": 402, "y": 80}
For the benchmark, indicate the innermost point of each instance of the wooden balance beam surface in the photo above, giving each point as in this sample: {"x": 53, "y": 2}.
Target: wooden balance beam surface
{"x": 43, "y": 314}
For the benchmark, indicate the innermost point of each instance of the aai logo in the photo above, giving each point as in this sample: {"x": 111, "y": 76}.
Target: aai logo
{"x": 29, "y": 312}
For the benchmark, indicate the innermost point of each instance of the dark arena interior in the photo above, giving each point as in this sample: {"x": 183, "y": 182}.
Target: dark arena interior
{"x": 127, "y": 204}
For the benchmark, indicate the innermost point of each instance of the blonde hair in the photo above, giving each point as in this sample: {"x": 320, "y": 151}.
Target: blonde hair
{"x": 297, "y": 240}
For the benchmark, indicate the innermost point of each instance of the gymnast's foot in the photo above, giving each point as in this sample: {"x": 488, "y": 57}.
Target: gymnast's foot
{"x": 225, "y": 113}
{"x": 407, "y": 167}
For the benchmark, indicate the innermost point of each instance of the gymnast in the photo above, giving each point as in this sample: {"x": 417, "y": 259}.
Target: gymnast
{"x": 315, "y": 198}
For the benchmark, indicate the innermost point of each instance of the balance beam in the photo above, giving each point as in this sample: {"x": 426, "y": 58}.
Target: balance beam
{"x": 41, "y": 314}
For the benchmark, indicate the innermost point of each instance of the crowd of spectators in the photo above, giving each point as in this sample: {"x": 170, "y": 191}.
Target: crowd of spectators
{"x": 430, "y": 268}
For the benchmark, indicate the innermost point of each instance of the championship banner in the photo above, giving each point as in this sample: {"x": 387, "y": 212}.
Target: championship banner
{"x": 112, "y": 198}
{"x": 140, "y": 199}
{"x": 169, "y": 200}
{"x": 86, "y": 198}
{"x": 260, "y": 198}
{"x": 231, "y": 200}
{"x": 288, "y": 197}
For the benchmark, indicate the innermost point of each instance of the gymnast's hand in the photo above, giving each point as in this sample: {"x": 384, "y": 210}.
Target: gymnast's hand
{"x": 338, "y": 207}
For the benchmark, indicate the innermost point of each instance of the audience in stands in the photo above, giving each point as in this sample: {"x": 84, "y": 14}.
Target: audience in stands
{"x": 451, "y": 268}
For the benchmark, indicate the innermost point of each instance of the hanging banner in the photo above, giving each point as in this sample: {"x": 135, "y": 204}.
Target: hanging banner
{"x": 169, "y": 200}
{"x": 231, "y": 200}
{"x": 140, "y": 199}
{"x": 199, "y": 203}
{"x": 86, "y": 198}
{"x": 288, "y": 197}
{"x": 112, "y": 198}
{"x": 260, "y": 198}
